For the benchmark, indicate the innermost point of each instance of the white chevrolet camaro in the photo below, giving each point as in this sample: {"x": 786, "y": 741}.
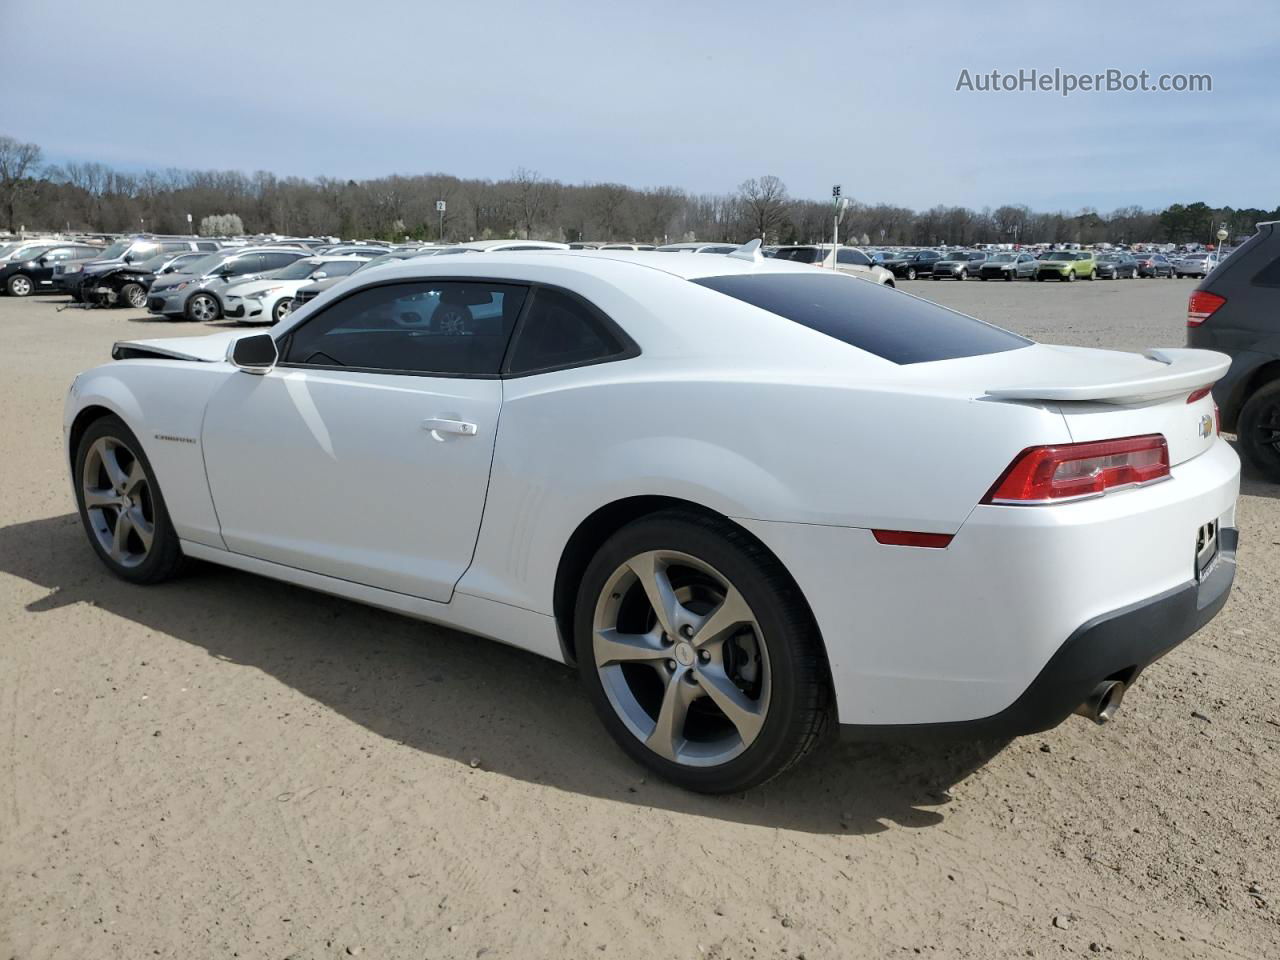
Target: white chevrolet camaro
{"x": 748, "y": 499}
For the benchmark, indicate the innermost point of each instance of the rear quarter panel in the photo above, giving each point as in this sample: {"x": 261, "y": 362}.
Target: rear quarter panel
{"x": 771, "y": 448}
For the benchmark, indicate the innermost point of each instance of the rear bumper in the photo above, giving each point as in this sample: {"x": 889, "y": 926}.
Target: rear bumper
{"x": 1114, "y": 646}
{"x": 959, "y": 635}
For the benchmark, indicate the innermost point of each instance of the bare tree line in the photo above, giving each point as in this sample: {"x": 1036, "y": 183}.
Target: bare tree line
{"x": 95, "y": 197}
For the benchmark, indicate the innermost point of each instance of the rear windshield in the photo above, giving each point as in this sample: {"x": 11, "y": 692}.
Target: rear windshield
{"x": 899, "y": 328}
{"x": 801, "y": 254}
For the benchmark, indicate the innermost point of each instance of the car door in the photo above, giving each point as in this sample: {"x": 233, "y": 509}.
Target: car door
{"x": 365, "y": 453}
{"x": 854, "y": 262}
{"x": 41, "y": 272}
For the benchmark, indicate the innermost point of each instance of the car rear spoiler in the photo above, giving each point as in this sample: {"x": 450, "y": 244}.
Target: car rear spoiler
{"x": 1171, "y": 371}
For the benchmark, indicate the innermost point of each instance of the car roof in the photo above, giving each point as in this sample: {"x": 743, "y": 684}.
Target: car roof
{"x": 614, "y": 264}
{"x": 490, "y": 244}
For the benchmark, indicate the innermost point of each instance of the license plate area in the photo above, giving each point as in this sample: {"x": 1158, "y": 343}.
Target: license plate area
{"x": 1206, "y": 549}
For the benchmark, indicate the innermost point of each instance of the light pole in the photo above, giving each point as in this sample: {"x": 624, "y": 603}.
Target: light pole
{"x": 440, "y": 207}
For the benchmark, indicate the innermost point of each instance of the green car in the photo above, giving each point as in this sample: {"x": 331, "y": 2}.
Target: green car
{"x": 1067, "y": 265}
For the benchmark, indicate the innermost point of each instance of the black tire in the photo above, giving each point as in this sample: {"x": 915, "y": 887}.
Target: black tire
{"x": 1070, "y": 277}
{"x": 964, "y": 274}
{"x": 800, "y": 703}
{"x": 164, "y": 560}
{"x": 911, "y": 273}
{"x": 1093, "y": 275}
{"x": 1009, "y": 275}
{"x": 282, "y": 309}
{"x": 193, "y": 310}
{"x": 1040, "y": 276}
{"x": 20, "y": 285}
{"x": 1259, "y": 411}
{"x": 133, "y": 295}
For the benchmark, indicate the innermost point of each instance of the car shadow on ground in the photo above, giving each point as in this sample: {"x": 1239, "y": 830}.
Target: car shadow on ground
{"x": 462, "y": 697}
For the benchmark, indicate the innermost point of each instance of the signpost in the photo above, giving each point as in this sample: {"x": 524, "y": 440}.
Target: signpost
{"x": 838, "y": 206}
{"x": 440, "y": 206}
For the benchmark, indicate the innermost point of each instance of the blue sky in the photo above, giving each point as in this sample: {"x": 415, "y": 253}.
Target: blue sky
{"x": 699, "y": 95}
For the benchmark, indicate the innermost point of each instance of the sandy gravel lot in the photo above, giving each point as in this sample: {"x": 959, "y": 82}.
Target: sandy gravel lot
{"x": 230, "y": 767}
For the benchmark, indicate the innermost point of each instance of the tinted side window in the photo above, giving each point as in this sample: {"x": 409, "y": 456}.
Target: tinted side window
{"x": 868, "y": 316}
{"x": 451, "y": 328}
{"x": 561, "y": 331}
{"x": 853, "y": 258}
{"x": 249, "y": 263}
{"x": 206, "y": 245}
{"x": 1268, "y": 276}
{"x": 274, "y": 261}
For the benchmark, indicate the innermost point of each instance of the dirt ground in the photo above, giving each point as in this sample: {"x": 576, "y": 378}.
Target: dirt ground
{"x": 231, "y": 767}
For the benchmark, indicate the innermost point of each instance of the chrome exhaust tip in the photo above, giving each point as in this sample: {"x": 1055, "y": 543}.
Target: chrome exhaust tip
{"x": 1103, "y": 702}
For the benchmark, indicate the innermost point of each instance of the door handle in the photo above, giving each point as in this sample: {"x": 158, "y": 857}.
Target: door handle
{"x": 459, "y": 427}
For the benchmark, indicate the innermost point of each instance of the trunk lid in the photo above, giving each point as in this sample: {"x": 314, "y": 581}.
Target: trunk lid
{"x": 1102, "y": 394}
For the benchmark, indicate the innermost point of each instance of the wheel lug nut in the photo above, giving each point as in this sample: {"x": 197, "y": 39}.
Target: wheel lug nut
{"x": 704, "y": 656}
{"x": 671, "y": 665}
{"x": 686, "y": 631}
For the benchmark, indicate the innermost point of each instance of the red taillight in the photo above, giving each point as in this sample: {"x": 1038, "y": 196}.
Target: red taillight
{"x": 1201, "y": 305}
{"x": 1070, "y": 470}
{"x": 909, "y": 538}
{"x": 1199, "y": 394}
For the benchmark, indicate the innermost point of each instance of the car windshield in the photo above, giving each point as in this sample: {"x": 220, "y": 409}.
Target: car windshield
{"x": 29, "y": 251}
{"x": 1056, "y": 255}
{"x": 1110, "y": 258}
{"x": 203, "y": 264}
{"x": 855, "y": 312}
{"x": 801, "y": 254}
{"x": 300, "y": 270}
{"x": 1004, "y": 258}
{"x": 152, "y": 264}
{"x": 385, "y": 258}
{"x": 117, "y": 249}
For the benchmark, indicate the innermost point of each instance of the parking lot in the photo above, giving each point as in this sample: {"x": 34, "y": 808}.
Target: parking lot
{"x": 231, "y": 766}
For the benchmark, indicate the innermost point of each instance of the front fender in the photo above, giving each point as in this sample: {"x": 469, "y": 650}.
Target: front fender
{"x": 163, "y": 403}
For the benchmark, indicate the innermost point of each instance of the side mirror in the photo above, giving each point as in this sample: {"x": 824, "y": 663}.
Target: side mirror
{"x": 319, "y": 276}
{"x": 256, "y": 354}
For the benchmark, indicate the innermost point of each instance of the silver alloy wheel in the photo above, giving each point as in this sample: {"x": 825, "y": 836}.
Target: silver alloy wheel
{"x": 204, "y": 308}
{"x": 118, "y": 502}
{"x": 681, "y": 659}
{"x": 282, "y": 309}
{"x": 137, "y": 296}
{"x": 20, "y": 286}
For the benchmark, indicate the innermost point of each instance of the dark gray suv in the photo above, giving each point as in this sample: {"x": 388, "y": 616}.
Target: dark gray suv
{"x": 1236, "y": 310}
